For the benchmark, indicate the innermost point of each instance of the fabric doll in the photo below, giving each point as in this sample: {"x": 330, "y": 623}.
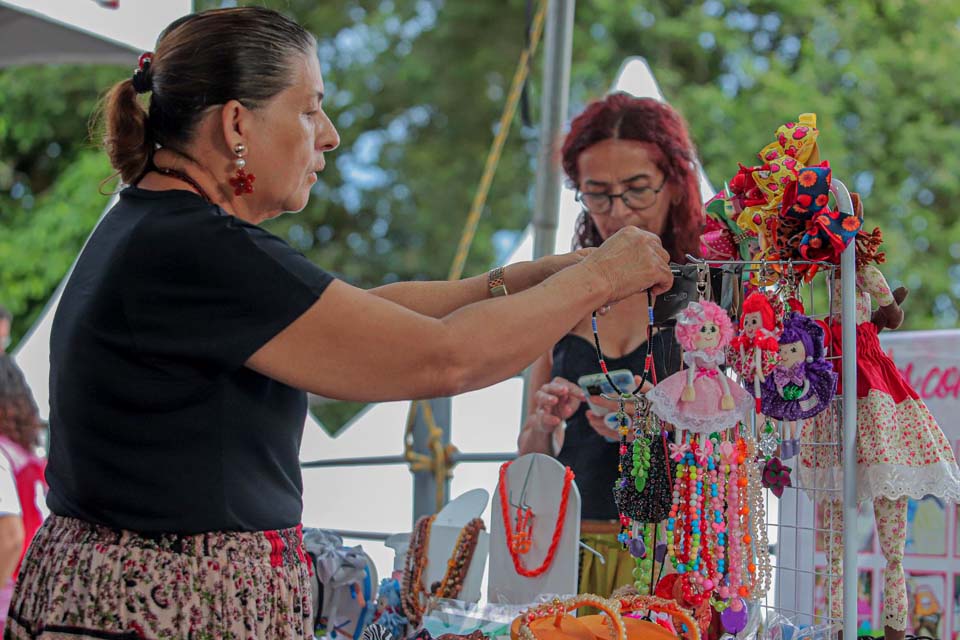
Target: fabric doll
{"x": 901, "y": 451}
{"x": 701, "y": 398}
{"x": 754, "y": 353}
{"x": 803, "y": 382}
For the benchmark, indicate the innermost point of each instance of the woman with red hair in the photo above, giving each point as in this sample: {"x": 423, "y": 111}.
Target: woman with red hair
{"x": 633, "y": 164}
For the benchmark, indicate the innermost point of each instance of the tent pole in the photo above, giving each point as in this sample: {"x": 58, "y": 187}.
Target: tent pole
{"x": 558, "y": 45}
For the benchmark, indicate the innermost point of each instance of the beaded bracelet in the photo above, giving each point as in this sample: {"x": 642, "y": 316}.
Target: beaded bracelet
{"x": 682, "y": 618}
{"x": 559, "y": 608}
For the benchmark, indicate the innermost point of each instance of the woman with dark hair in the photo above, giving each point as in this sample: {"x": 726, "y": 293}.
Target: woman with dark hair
{"x": 633, "y": 166}
{"x": 21, "y": 474}
{"x": 187, "y": 335}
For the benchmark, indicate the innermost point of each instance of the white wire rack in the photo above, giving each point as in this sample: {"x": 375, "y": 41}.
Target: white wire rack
{"x": 799, "y": 524}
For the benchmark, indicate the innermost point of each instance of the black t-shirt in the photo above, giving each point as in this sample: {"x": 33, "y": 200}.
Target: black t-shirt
{"x": 592, "y": 458}
{"x": 156, "y": 425}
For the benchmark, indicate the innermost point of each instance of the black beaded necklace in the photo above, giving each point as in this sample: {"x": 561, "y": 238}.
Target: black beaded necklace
{"x": 180, "y": 175}
{"x": 648, "y": 357}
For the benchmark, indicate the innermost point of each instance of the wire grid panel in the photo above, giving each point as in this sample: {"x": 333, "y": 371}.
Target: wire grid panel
{"x": 805, "y": 525}
{"x": 806, "y": 534}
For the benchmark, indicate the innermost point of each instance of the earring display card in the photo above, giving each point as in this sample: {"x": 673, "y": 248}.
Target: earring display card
{"x": 544, "y": 480}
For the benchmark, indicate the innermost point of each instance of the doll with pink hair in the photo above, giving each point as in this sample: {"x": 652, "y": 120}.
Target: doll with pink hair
{"x": 701, "y": 398}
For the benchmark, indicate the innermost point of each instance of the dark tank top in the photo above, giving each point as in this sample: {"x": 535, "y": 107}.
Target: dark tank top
{"x": 593, "y": 459}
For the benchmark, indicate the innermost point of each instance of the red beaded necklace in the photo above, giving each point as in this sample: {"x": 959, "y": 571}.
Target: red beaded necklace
{"x": 557, "y": 530}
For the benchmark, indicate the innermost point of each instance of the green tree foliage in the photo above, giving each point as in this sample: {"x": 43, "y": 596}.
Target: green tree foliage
{"x": 49, "y": 179}
{"x": 416, "y": 88}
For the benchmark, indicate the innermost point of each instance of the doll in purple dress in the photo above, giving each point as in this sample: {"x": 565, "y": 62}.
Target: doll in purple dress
{"x": 803, "y": 382}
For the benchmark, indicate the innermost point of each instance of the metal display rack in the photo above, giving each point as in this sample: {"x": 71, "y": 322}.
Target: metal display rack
{"x": 799, "y": 524}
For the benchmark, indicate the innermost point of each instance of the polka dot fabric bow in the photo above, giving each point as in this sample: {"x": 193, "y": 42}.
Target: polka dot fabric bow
{"x": 808, "y": 228}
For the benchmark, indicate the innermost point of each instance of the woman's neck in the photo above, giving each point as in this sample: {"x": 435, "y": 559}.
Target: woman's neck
{"x": 216, "y": 191}
{"x": 622, "y": 329}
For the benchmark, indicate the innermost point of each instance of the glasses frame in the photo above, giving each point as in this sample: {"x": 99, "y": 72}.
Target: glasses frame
{"x": 622, "y": 197}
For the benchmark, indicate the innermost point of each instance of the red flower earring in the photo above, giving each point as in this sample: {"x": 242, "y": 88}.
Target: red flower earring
{"x": 242, "y": 182}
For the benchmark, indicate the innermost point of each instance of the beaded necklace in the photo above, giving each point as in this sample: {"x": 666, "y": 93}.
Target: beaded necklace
{"x": 732, "y": 458}
{"x": 459, "y": 562}
{"x": 761, "y": 572}
{"x": 417, "y": 559}
{"x": 416, "y": 562}
{"x": 557, "y": 530}
{"x": 184, "y": 177}
{"x": 648, "y": 358}
{"x": 644, "y": 429}
{"x": 644, "y": 559}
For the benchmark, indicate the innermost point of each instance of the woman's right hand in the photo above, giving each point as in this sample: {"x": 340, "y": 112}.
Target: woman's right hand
{"x": 556, "y": 401}
{"x": 631, "y": 261}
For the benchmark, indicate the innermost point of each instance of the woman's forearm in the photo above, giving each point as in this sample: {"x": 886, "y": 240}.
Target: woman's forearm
{"x": 486, "y": 353}
{"x": 439, "y": 298}
{"x": 435, "y": 298}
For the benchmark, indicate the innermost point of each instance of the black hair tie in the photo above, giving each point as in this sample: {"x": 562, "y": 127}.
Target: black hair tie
{"x": 142, "y": 78}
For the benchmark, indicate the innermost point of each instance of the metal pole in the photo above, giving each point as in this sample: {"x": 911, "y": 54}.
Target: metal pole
{"x": 849, "y": 320}
{"x": 424, "y": 483}
{"x": 557, "y": 49}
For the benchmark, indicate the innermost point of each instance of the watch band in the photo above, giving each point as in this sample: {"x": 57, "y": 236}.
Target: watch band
{"x": 495, "y": 282}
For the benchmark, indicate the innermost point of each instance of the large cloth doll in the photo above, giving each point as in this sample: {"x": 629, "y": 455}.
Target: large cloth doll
{"x": 901, "y": 451}
{"x": 701, "y": 398}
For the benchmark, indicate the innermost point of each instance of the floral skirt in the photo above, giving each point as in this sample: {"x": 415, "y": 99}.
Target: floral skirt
{"x": 80, "y": 580}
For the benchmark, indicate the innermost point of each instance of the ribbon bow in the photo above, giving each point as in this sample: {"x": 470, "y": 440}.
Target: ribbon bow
{"x": 703, "y": 452}
{"x": 764, "y": 186}
{"x": 776, "y": 476}
{"x": 797, "y": 374}
{"x": 703, "y": 372}
{"x": 808, "y": 226}
{"x": 677, "y": 451}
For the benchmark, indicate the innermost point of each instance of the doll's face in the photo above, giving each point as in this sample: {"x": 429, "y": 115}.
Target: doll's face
{"x": 791, "y": 353}
{"x": 709, "y": 336}
{"x": 752, "y": 322}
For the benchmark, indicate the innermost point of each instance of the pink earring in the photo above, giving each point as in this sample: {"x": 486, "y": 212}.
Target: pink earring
{"x": 242, "y": 182}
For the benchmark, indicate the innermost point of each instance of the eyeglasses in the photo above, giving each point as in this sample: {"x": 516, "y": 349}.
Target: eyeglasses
{"x": 636, "y": 199}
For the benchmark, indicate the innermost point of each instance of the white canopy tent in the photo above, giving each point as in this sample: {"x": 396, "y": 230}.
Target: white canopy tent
{"x": 380, "y": 498}
{"x": 82, "y": 31}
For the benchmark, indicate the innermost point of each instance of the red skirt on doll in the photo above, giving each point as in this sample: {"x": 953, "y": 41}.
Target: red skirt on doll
{"x": 901, "y": 450}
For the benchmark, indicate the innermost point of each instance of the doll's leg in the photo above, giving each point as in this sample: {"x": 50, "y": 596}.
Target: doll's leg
{"x": 788, "y": 447}
{"x": 794, "y": 439}
{"x": 833, "y": 523}
{"x": 891, "y": 517}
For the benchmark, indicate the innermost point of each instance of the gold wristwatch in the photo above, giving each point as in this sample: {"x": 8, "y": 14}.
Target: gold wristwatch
{"x": 495, "y": 282}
